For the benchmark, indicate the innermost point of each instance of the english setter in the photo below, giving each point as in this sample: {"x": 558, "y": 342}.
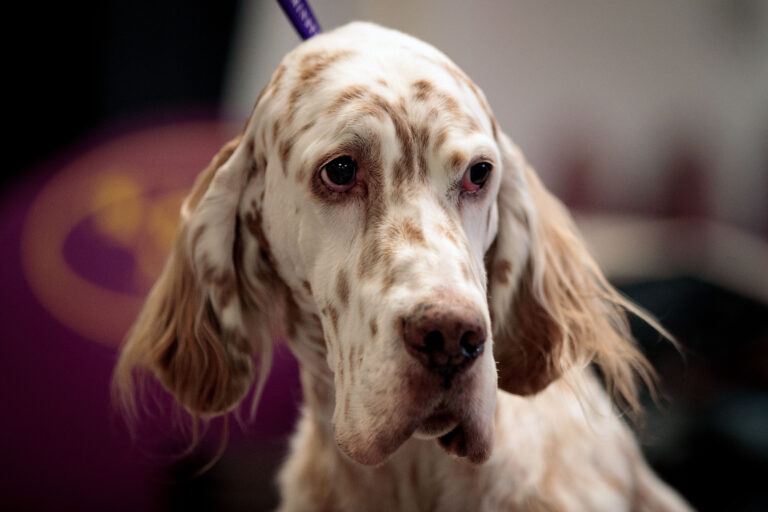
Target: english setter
{"x": 440, "y": 302}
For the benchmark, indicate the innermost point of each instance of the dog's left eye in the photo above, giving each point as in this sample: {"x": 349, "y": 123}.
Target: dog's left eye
{"x": 476, "y": 176}
{"x": 339, "y": 174}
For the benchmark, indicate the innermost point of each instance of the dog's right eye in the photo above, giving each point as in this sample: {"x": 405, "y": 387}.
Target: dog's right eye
{"x": 339, "y": 174}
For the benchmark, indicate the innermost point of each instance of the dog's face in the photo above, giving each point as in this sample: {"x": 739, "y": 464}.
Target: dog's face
{"x": 373, "y": 194}
{"x": 382, "y": 171}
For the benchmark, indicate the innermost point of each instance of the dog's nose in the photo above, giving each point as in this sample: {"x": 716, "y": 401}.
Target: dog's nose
{"x": 444, "y": 338}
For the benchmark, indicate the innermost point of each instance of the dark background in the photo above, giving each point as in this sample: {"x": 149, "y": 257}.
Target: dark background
{"x": 74, "y": 67}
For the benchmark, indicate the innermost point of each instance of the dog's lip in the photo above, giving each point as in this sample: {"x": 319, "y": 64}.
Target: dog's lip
{"x": 437, "y": 424}
{"x": 454, "y": 442}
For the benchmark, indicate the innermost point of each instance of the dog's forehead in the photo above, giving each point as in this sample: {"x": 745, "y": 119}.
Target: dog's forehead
{"x": 370, "y": 47}
{"x": 348, "y": 63}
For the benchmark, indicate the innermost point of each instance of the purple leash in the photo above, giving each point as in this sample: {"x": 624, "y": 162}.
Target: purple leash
{"x": 300, "y": 15}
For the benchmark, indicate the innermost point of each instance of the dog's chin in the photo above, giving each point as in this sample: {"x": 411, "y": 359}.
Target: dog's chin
{"x": 372, "y": 447}
{"x": 469, "y": 436}
{"x": 461, "y": 422}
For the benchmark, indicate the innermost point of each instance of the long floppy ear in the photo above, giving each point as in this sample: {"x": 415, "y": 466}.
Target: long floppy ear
{"x": 192, "y": 332}
{"x": 552, "y": 307}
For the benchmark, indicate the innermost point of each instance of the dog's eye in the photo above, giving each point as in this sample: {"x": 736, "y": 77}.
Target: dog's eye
{"x": 339, "y": 174}
{"x": 476, "y": 176}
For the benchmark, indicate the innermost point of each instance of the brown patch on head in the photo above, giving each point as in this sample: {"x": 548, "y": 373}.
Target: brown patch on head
{"x": 442, "y": 137}
{"x": 293, "y": 101}
{"x": 350, "y": 94}
{"x": 404, "y": 166}
{"x": 307, "y": 287}
{"x": 422, "y": 136}
{"x": 424, "y": 89}
{"x": 462, "y": 79}
{"x": 364, "y": 109}
{"x": 457, "y": 159}
{"x": 471, "y": 124}
{"x": 342, "y": 288}
{"x": 313, "y": 64}
{"x": 305, "y": 128}
{"x": 285, "y": 153}
{"x": 374, "y": 327}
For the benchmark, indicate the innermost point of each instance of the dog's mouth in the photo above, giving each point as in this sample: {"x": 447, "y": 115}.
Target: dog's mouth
{"x": 447, "y": 428}
{"x": 437, "y": 424}
{"x": 460, "y": 419}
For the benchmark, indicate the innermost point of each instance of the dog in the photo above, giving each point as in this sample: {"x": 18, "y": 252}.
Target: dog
{"x": 445, "y": 313}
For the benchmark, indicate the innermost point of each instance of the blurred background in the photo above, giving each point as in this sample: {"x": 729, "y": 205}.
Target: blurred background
{"x": 649, "y": 119}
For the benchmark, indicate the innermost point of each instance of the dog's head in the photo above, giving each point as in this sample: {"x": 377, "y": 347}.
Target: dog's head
{"x": 373, "y": 198}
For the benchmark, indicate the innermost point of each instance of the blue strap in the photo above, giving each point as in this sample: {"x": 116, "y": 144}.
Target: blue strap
{"x": 300, "y": 15}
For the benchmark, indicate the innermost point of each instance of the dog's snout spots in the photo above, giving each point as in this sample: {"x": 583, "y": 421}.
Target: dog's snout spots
{"x": 333, "y": 314}
{"x": 342, "y": 288}
{"x": 448, "y": 234}
{"x": 413, "y": 234}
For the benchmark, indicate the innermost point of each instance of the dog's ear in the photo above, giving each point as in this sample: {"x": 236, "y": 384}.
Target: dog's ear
{"x": 552, "y": 308}
{"x": 192, "y": 332}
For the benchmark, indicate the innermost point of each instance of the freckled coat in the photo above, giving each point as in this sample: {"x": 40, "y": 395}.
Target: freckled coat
{"x": 267, "y": 247}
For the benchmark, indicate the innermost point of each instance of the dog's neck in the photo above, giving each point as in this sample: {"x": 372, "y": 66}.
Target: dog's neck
{"x": 319, "y": 396}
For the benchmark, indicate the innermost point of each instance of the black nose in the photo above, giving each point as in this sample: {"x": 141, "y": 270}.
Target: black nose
{"x": 445, "y": 338}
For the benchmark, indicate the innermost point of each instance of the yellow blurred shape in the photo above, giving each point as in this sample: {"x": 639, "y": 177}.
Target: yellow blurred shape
{"x": 117, "y": 203}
